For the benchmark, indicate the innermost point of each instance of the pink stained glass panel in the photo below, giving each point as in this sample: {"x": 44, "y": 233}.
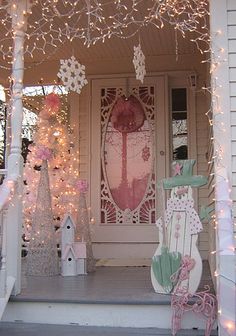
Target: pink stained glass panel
{"x": 128, "y": 157}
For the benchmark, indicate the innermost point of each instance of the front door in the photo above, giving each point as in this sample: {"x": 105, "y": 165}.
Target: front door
{"x": 127, "y": 159}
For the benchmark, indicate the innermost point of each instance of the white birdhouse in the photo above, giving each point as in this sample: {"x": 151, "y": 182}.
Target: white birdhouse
{"x": 69, "y": 261}
{"x": 67, "y": 232}
{"x": 80, "y": 252}
{"x": 73, "y": 260}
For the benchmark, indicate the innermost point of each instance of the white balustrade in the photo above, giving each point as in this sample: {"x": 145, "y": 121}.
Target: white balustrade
{"x": 8, "y": 194}
{"x": 3, "y": 274}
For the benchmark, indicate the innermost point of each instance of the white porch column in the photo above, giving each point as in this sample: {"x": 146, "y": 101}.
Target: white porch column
{"x": 223, "y": 167}
{"x": 17, "y": 10}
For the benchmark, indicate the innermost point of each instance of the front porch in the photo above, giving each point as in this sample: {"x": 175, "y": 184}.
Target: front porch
{"x": 123, "y": 296}
{"x": 111, "y": 296}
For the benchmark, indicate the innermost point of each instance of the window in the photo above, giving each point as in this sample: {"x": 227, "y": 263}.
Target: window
{"x": 179, "y": 124}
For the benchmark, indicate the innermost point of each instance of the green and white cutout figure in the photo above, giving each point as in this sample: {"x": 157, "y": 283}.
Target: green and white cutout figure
{"x": 179, "y": 227}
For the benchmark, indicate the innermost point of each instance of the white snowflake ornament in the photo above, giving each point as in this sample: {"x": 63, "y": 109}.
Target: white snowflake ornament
{"x": 139, "y": 63}
{"x": 72, "y": 74}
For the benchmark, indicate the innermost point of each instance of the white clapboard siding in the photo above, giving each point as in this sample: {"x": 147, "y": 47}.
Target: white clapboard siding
{"x": 233, "y": 118}
{"x": 234, "y": 178}
{"x": 233, "y": 87}
{"x": 232, "y": 74}
{"x": 233, "y": 131}
{"x": 84, "y": 133}
{"x": 231, "y": 16}
{"x": 231, "y": 32}
{"x": 231, "y": 5}
{"x": 232, "y": 46}
{"x": 231, "y": 23}
{"x": 232, "y": 98}
{"x": 202, "y": 129}
{"x": 206, "y": 194}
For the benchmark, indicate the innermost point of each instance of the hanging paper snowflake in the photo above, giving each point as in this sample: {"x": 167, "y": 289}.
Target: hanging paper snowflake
{"x": 139, "y": 63}
{"x": 72, "y": 74}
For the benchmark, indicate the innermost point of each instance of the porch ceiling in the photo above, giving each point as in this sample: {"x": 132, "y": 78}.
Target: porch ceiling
{"x": 156, "y": 43}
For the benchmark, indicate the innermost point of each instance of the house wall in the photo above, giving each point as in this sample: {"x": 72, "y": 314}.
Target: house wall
{"x": 158, "y": 65}
{"x": 211, "y": 201}
{"x": 230, "y": 45}
{"x": 231, "y": 16}
{"x": 203, "y": 144}
{"x": 108, "y": 67}
{"x": 223, "y": 34}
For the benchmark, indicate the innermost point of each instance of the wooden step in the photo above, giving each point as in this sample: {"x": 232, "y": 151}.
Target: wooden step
{"x": 28, "y": 329}
{"x": 111, "y": 297}
{"x": 98, "y": 314}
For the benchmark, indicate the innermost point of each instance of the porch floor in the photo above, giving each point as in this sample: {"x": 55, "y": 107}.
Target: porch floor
{"x": 108, "y": 285}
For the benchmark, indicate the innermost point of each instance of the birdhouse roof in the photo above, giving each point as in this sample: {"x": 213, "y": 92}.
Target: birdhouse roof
{"x": 69, "y": 248}
{"x": 67, "y": 220}
{"x": 77, "y": 249}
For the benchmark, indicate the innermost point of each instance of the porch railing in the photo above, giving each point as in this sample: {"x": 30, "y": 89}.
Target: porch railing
{"x": 8, "y": 196}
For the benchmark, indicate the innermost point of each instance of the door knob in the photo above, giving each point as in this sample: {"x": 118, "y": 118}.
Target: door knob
{"x": 162, "y": 153}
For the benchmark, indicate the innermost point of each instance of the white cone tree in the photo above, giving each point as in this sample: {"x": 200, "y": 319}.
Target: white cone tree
{"x": 51, "y": 135}
{"x": 82, "y": 232}
{"x": 42, "y": 258}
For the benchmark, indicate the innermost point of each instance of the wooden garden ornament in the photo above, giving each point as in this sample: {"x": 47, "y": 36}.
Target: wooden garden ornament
{"x": 203, "y": 303}
{"x": 178, "y": 231}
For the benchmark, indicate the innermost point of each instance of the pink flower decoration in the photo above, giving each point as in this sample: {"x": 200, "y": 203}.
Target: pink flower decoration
{"x": 188, "y": 262}
{"x": 82, "y": 185}
{"x": 43, "y": 153}
{"x": 51, "y": 106}
{"x": 52, "y": 101}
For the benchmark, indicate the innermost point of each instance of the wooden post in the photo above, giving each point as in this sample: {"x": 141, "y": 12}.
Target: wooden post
{"x": 17, "y": 10}
{"x": 222, "y": 151}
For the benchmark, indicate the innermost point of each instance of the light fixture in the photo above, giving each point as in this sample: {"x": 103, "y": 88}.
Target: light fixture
{"x": 192, "y": 79}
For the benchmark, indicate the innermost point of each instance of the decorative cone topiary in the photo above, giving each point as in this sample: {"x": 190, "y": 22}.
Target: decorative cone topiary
{"x": 82, "y": 232}
{"x": 42, "y": 258}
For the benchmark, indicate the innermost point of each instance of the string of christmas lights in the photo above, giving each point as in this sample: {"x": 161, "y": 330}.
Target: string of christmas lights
{"x": 222, "y": 220}
{"x": 51, "y": 135}
{"x": 50, "y": 23}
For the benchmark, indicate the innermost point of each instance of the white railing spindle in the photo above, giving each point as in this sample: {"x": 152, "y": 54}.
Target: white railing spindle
{"x": 3, "y": 271}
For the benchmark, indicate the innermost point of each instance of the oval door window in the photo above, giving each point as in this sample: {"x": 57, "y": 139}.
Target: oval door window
{"x": 127, "y": 151}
